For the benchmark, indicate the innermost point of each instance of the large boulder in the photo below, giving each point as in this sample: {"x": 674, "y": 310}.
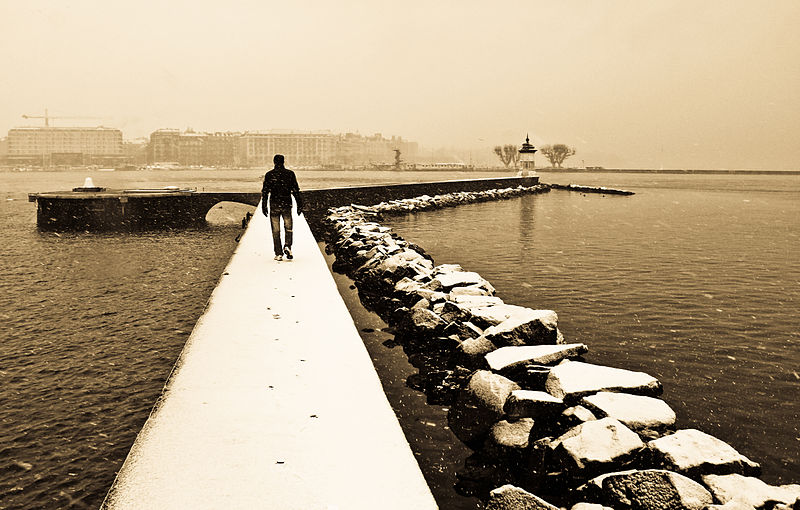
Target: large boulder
{"x": 472, "y": 351}
{"x": 433, "y": 285}
{"x": 452, "y": 312}
{"x": 463, "y": 330}
{"x": 509, "y": 439}
{"x": 422, "y": 303}
{"x": 647, "y": 416}
{"x": 473, "y": 291}
{"x": 572, "y": 380}
{"x": 525, "y": 327}
{"x": 695, "y": 453}
{"x": 750, "y": 491}
{"x": 479, "y": 405}
{"x": 652, "y": 489}
{"x": 432, "y": 296}
{"x": 596, "y": 446}
{"x": 419, "y": 269}
{"x": 533, "y": 404}
{"x": 511, "y": 357}
{"x": 369, "y": 226}
{"x": 459, "y": 296}
{"x": 422, "y": 322}
{"x": 589, "y": 506}
{"x": 575, "y": 415}
{"x": 738, "y": 505}
{"x": 491, "y": 315}
{"x": 451, "y": 279}
{"x": 655, "y": 490}
{"x": 403, "y": 263}
{"x": 407, "y": 290}
{"x": 509, "y": 497}
{"x": 446, "y": 268}
{"x": 368, "y": 272}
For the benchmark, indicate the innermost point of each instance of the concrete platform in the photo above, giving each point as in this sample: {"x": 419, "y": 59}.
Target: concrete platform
{"x": 274, "y": 402}
{"x": 99, "y": 209}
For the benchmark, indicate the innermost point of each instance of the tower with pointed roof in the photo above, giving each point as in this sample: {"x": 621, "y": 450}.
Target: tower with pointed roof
{"x": 526, "y": 158}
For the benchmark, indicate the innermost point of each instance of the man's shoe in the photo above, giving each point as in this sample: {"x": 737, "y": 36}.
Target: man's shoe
{"x": 288, "y": 252}
{"x": 278, "y": 257}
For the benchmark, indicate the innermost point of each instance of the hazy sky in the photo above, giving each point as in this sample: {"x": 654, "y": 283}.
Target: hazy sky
{"x": 694, "y": 84}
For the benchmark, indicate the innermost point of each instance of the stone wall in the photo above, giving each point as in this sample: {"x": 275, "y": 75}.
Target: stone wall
{"x": 543, "y": 423}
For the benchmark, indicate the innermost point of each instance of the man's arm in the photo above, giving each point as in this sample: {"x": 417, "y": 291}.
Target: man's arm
{"x": 296, "y": 192}
{"x": 265, "y": 190}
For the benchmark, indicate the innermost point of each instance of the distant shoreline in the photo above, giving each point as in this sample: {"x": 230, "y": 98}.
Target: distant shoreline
{"x": 668, "y": 171}
{"x": 4, "y": 169}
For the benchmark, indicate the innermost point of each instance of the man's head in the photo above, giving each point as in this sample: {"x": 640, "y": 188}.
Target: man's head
{"x": 278, "y": 160}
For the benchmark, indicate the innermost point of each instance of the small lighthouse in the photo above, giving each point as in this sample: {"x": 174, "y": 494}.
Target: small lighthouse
{"x": 526, "y": 158}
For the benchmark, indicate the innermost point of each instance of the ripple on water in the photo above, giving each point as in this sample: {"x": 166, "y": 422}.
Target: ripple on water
{"x": 662, "y": 282}
{"x": 91, "y": 338}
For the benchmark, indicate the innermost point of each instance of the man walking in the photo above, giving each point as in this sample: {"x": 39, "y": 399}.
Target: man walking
{"x": 280, "y": 184}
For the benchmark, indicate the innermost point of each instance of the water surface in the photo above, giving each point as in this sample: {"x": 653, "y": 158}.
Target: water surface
{"x": 93, "y": 323}
{"x": 695, "y": 280}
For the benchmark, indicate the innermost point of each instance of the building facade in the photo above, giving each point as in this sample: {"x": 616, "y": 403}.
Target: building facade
{"x": 365, "y": 151}
{"x": 163, "y": 146}
{"x": 300, "y": 149}
{"x": 47, "y": 146}
{"x": 221, "y": 149}
{"x": 191, "y": 149}
{"x": 135, "y": 151}
{"x": 256, "y": 149}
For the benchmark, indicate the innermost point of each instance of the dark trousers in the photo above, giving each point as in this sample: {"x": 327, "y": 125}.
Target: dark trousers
{"x": 275, "y": 221}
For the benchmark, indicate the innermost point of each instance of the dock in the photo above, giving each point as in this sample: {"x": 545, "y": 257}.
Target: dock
{"x": 274, "y": 402}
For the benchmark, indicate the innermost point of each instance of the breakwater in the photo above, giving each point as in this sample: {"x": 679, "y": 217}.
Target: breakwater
{"x": 591, "y": 189}
{"x": 688, "y": 171}
{"x": 100, "y": 209}
{"x": 540, "y": 419}
{"x": 273, "y": 402}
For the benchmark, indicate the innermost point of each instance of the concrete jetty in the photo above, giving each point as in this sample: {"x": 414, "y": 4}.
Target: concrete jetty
{"x": 100, "y": 209}
{"x": 274, "y": 401}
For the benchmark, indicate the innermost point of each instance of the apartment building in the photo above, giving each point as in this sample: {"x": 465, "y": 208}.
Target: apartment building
{"x": 221, "y": 149}
{"x": 48, "y": 146}
{"x": 377, "y": 150}
{"x": 164, "y": 146}
{"x": 300, "y": 149}
{"x": 190, "y": 148}
{"x": 256, "y": 149}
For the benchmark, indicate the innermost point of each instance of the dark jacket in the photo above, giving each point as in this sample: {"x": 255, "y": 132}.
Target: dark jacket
{"x": 280, "y": 184}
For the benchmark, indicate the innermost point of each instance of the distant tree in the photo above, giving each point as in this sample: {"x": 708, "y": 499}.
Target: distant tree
{"x": 508, "y": 154}
{"x": 557, "y": 153}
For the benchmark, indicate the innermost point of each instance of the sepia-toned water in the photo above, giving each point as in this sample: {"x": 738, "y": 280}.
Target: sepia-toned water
{"x": 694, "y": 279}
{"x": 91, "y": 325}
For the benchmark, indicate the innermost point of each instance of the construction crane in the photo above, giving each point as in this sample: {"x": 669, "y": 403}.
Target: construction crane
{"x": 47, "y": 117}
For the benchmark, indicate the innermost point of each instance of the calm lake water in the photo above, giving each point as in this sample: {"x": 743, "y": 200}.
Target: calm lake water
{"x": 93, "y": 323}
{"x": 694, "y": 280}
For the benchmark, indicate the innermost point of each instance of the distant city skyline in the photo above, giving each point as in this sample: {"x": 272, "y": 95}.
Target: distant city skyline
{"x": 629, "y": 84}
{"x": 59, "y": 146}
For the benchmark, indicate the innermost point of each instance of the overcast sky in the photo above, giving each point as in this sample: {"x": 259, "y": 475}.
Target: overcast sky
{"x": 711, "y": 84}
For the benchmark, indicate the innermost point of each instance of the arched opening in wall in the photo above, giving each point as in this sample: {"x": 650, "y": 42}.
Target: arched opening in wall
{"x": 228, "y": 213}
